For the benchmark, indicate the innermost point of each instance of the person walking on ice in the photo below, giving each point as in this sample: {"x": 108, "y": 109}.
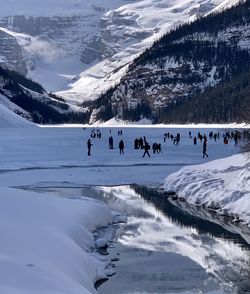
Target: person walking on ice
{"x": 204, "y": 151}
{"x": 89, "y": 147}
{"x": 121, "y": 147}
{"x": 111, "y": 143}
{"x": 146, "y": 148}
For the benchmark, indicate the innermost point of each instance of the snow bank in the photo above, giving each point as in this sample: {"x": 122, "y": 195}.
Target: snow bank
{"x": 10, "y": 119}
{"x": 46, "y": 243}
{"x": 223, "y": 185}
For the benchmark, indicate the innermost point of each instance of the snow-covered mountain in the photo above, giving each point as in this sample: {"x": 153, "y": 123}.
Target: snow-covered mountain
{"x": 182, "y": 65}
{"x": 29, "y": 100}
{"x": 135, "y": 27}
{"x": 80, "y": 48}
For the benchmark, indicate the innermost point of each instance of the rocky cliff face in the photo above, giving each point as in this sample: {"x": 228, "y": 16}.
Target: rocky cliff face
{"x": 61, "y": 42}
{"x": 11, "y": 54}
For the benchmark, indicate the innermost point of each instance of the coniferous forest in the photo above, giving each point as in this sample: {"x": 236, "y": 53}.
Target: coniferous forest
{"x": 34, "y": 103}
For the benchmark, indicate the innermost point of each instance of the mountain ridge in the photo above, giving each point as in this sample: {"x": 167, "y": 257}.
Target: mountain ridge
{"x": 130, "y": 89}
{"x": 95, "y": 39}
{"x": 182, "y": 64}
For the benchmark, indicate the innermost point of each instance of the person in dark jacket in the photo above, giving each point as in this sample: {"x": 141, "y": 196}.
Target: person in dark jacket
{"x": 235, "y": 138}
{"x": 136, "y": 143}
{"x": 89, "y": 147}
{"x": 146, "y": 148}
{"x": 111, "y": 142}
{"x": 154, "y": 147}
{"x": 141, "y": 143}
{"x": 204, "y": 151}
{"x": 158, "y": 148}
{"x": 121, "y": 147}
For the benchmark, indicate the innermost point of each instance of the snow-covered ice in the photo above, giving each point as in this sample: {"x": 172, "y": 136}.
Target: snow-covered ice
{"x": 46, "y": 156}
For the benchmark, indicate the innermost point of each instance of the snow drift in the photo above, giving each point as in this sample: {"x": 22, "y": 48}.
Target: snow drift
{"x": 10, "y": 119}
{"x": 46, "y": 241}
{"x": 222, "y": 185}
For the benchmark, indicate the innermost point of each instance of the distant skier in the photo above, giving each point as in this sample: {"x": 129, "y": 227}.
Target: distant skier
{"x": 89, "y": 147}
{"x": 121, "y": 147}
{"x": 195, "y": 141}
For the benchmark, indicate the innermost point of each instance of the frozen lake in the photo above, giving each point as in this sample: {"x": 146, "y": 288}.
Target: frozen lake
{"x": 163, "y": 249}
{"x": 52, "y": 155}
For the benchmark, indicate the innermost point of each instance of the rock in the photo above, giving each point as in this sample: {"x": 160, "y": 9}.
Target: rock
{"x": 117, "y": 219}
{"x": 109, "y": 272}
{"x": 11, "y": 55}
{"x": 101, "y": 243}
{"x": 170, "y": 193}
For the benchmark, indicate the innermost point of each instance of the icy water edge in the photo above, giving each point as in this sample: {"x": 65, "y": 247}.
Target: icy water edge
{"x": 166, "y": 248}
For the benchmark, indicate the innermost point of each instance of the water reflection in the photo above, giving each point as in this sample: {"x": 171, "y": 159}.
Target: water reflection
{"x": 172, "y": 236}
{"x": 183, "y": 217}
{"x": 157, "y": 225}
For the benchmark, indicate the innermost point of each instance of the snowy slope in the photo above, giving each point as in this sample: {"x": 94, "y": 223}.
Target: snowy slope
{"x": 223, "y": 185}
{"x": 47, "y": 252}
{"x": 10, "y": 119}
{"x": 95, "y": 39}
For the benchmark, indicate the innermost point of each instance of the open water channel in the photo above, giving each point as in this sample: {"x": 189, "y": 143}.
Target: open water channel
{"x": 163, "y": 248}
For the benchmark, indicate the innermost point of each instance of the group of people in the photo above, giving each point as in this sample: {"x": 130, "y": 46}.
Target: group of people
{"x": 142, "y": 143}
{"x": 176, "y": 139}
{"x": 121, "y": 144}
{"x": 96, "y": 134}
